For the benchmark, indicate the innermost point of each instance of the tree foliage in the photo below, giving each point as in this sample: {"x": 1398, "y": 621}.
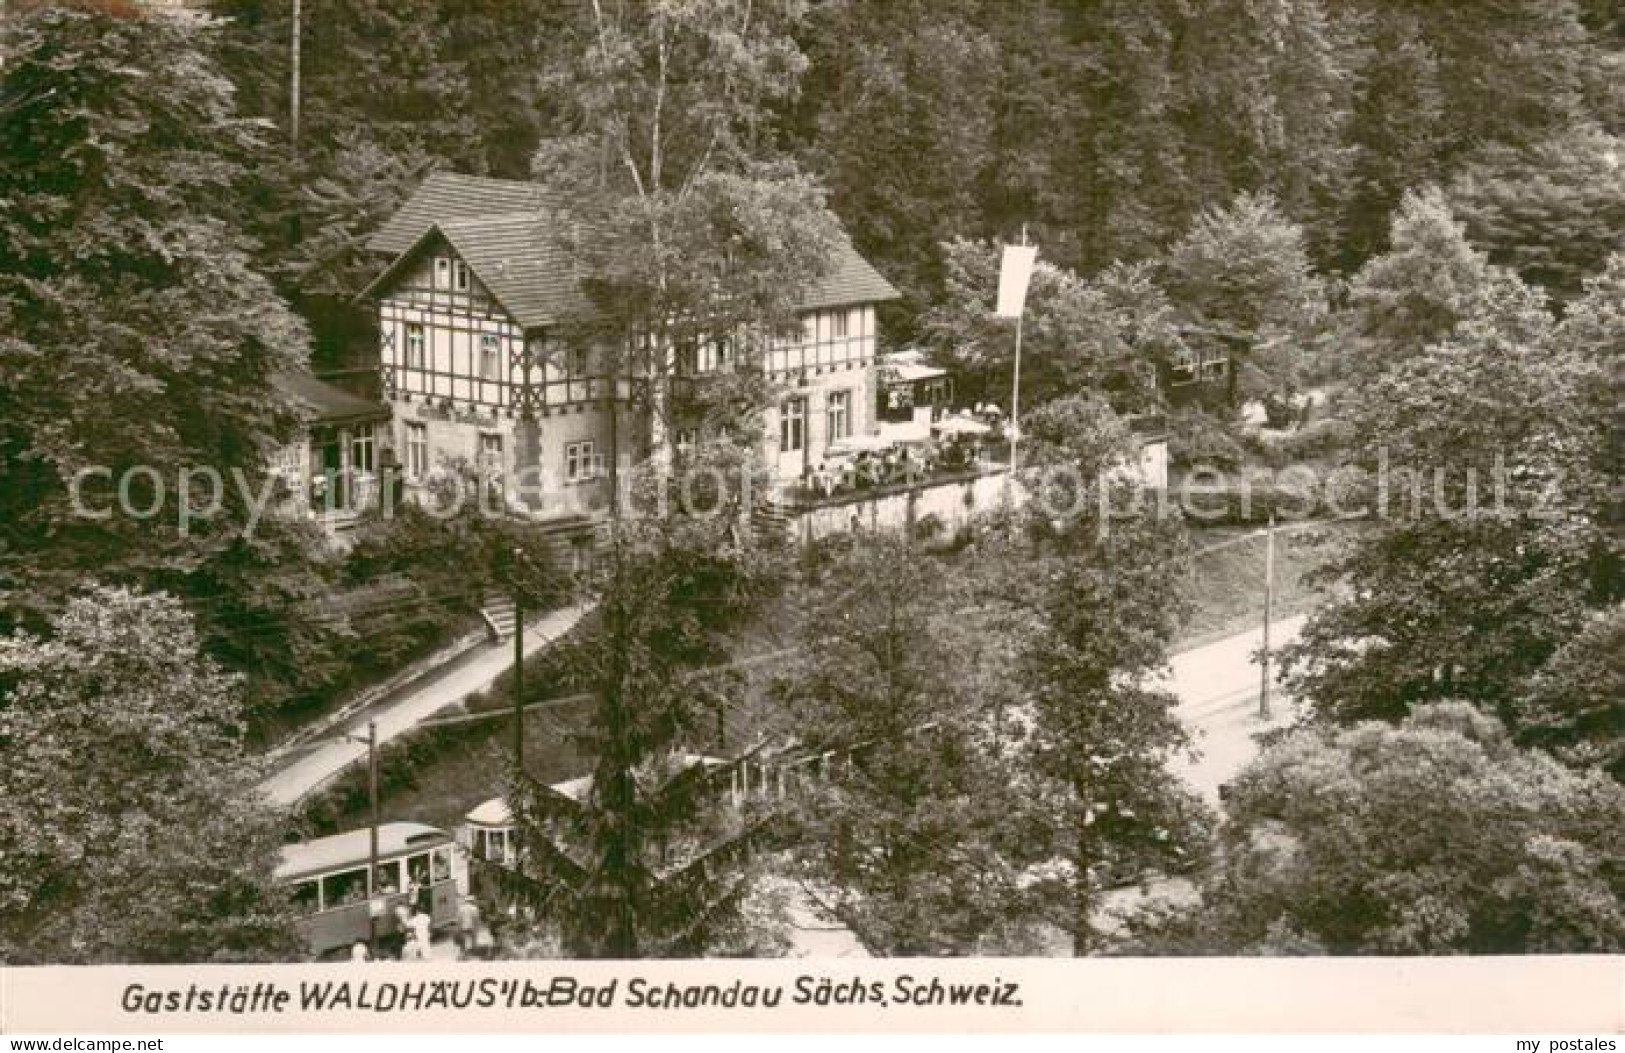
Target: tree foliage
{"x": 129, "y": 817}
{"x": 686, "y": 223}
{"x": 1438, "y": 836}
{"x": 136, "y": 330}
{"x": 1413, "y": 295}
{"x": 1574, "y": 706}
{"x": 1103, "y": 729}
{"x": 923, "y": 80}
{"x": 1244, "y": 269}
{"x": 1483, "y": 457}
{"x": 647, "y": 862}
{"x": 1078, "y": 336}
{"x": 1552, "y": 211}
{"x": 921, "y": 833}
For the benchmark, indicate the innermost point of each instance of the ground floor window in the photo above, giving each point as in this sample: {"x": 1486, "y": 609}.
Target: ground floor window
{"x": 417, "y": 450}
{"x": 361, "y": 448}
{"x": 839, "y": 415}
{"x": 579, "y": 461}
{"x": 792, "y": 425}
{"x": 491, "y": 456}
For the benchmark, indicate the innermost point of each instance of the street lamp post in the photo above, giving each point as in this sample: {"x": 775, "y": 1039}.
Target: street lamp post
{"x": 374, "y": 905}
{"x": 518, "y": 667}
{"x": 1269, "y": 604}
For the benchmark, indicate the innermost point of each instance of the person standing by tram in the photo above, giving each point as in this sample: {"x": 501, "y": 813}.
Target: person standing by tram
{"x": 468, "y": 926}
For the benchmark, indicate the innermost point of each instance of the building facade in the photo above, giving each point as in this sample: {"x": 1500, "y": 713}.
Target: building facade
{"x": 332, "y": 471}
{"x": 472, "y": 301}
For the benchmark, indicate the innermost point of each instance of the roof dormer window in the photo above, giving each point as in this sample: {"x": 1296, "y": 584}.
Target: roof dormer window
{"x": 459, "y": 275}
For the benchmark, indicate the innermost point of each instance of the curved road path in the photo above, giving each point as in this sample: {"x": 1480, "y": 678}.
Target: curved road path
{"x": 309, "y": 768}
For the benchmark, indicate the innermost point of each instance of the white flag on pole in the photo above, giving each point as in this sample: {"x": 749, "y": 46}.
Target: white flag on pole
{"x": 1014, "y": 273}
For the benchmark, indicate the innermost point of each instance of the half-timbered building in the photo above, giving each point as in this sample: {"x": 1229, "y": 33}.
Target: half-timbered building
{"x": 472, "y": 305}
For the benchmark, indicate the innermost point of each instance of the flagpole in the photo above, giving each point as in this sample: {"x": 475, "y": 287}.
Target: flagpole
{"x": 1015, "y": 389}
{"x": 1015, "y": 404}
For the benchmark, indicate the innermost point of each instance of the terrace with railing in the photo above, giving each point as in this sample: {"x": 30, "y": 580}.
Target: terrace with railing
{"x": 882, "y": 473}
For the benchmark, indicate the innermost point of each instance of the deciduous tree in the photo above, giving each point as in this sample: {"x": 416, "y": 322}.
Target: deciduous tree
{"x": 129, "y": 817}
{"x": 1574, "y": 707}
{"x": 1413, "y": 295}
{"x": 1438, "y": 836}
{"x": 1244, "y": 269}
{"x": 686, "y": 222}
{"x": 1103, "y": 336}
{"x": 137, "y": 333}
{"x": 1483, "y": 456}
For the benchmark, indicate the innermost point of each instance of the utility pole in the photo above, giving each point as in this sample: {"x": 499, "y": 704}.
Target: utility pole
{"x": 1269, "y": 604}
{"x": 372, "y": 839}
{"x": 293, "y": 91}
{"x": 518, "y": 668}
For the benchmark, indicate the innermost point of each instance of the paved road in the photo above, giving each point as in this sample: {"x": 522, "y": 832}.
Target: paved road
{"x": 1217, "y": 685}
{"x": 311, "y": 767}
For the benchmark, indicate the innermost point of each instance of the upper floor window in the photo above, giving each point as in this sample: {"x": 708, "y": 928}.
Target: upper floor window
{"x": 459, "y": 275}
{"x": 490, "y": 357}
{"x": 837, "y": 325}
{"x": 414, "y": 345}
{"x": 715, "y": 354}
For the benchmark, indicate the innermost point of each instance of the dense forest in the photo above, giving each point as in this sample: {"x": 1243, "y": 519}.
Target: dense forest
{"x": 1342, "y": 181}
{"x": 1104, "y": 128}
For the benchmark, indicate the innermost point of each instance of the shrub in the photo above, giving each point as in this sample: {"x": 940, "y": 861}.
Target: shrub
{"x": 1195, "y": 438}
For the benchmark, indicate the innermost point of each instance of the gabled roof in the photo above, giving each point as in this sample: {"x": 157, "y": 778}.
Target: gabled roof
{"x": 515, "y": 257}
{"x": 504, "y": 230}
{"x": 451, "y": 195}
{"x": 853, "y": 281}
{"x": 322, "y": 403}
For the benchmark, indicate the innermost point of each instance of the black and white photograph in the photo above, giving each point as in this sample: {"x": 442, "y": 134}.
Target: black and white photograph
{"x": 547, "y": 481}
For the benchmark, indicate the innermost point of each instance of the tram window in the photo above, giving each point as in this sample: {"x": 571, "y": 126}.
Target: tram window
{"x": 349, "y": 886}
{"x": 387, "y": 878}
{"x": 417, "y": 870}
{"x": 307, "y": 897}
{"x": 442, "y": 864}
